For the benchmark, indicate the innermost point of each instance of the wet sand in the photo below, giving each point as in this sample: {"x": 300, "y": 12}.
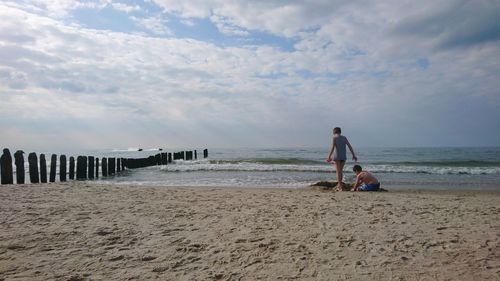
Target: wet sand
{"x": 83, "y": 231}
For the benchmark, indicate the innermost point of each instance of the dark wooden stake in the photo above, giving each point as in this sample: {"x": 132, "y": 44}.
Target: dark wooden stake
{"x": 96, "y": 168}
{"x": 71, "y": 168}
{"x": 111, "y": 166}
{"x": 19, "y": 160}
{"x": 43, "y": 169}
{"x": 62, "y": 168}
{"x": 205, "y": 153}
{"x": 6, "y": 167}
{"x": 53, "y": 165}
{"x": 91, "y": 167}
{"x": 81, "y": 168}
{"x": 104, "y": 167}
{"x": 118, "y": 165}
{"x": 33, "y": 168}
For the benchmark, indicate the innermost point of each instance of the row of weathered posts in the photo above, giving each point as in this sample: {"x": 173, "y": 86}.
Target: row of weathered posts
{"x": 87, "y": 167}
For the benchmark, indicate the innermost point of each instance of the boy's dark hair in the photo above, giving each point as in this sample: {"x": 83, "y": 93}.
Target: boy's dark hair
{"x": 357, "y": 168}
{"x": 337, "y": 130}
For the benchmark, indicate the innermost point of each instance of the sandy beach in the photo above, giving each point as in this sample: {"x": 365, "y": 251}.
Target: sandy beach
{"x": 82, "y": 231}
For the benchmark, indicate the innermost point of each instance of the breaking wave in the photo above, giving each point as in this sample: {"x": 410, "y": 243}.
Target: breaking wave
{"x": 301, "y": 165}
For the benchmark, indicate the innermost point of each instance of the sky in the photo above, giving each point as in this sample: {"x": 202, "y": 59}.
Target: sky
{"x": 262, "y": 73}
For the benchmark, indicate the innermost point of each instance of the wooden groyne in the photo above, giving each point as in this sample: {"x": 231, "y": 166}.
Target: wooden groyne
{"x": 86, "y": 168}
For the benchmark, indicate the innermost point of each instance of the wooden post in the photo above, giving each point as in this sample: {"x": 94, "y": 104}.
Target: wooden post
{"x": 96, "y": 168}
{"x": 111, "y": 166}
{"x": 91, "y": 167}
{"x": 205, "y": 153}
{"x": 6, "y": 167}
{"x": 118, "y": 165}
{"x": 72, "y": 168}
{"x": 104, "y": 167}
{"x": 170, "y": 157}
{"x": 19, "y": 161}
{"x": 43, "y": 169}
{"x": 195, "y": 155}
{"x": 33, "y": 168}
{"x": 81, "y": 168}
{"x": 53, "y": 165}
{"x": 123, "y": 164}
{"x": 62, "y": 168}
{"x": 152, "y": 160}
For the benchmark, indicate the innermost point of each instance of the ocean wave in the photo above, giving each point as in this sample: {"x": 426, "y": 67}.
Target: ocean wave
{"x": 269, "y": 161}
{"x": 446, "y": 163}
{"x": 440, "y": 170}
{"x": 248, "y": 166}
{"x": 130, "y": 149}
{"x": 302, "y": 161}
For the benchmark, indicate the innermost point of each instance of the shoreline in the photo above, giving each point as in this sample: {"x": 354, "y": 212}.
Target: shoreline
{"x": 86, "y": 231}
{"x": 393, "y": 188}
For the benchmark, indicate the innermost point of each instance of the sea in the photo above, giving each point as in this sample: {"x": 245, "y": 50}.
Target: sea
{"x": 467, "y": 168}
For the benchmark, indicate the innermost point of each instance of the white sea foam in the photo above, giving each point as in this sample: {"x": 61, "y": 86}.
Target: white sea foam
{"x": 203, "y": 165}
{"x": 130, "y": 149}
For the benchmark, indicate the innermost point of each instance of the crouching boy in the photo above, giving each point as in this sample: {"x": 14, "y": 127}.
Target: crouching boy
{"x": 365, "y": 181}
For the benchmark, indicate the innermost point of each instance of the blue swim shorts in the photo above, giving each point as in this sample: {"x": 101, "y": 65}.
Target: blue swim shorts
{"x": 369, "y": 187}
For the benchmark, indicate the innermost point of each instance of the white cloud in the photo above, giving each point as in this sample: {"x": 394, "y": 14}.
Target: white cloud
{"x": 354, "y": 66}
{"x": 56, "y": 8}
{"x": 280, "y": 18}
{"x": 225, "y": 26}
{"x": 125, "y": 8}
{"x": 156, "y": 25}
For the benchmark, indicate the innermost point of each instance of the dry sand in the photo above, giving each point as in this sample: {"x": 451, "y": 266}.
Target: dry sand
{"x": 83, "y": 231}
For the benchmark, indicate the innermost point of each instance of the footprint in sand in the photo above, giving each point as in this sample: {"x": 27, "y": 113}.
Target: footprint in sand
{"x": 117, "y": 258}
{"x": 148, "y": 258}
{"x": 16, "y": 247}
{"x": 161, "y": 268}
{"x": 103, "y": 232}
{"x": 74, "y": 278}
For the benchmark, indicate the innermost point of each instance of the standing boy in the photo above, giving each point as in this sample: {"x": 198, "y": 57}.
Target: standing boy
{"x": 339, "y": 155}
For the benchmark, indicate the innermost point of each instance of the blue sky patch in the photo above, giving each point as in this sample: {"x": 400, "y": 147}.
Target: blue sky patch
{"x": 423, "y": 63}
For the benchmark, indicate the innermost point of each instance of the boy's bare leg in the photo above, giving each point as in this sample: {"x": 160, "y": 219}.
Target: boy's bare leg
{"x": 339, "y": 166}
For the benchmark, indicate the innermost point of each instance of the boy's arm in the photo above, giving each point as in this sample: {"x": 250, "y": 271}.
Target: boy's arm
{"x": 352, "y": 151}
{"x": 331, "y": 151}
{"x": 356, "y": 184}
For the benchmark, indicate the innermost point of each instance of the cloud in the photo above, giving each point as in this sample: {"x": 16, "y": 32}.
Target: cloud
{"x": 125, "y": 8}
{"x": 225, "y": 26}
{"x": 269, "y": 16}
{"x": 156, "y": 25}
{"x": 463, "y": 24}
{"x": 56, "y": 8}
{"x": 358, "y": 65}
